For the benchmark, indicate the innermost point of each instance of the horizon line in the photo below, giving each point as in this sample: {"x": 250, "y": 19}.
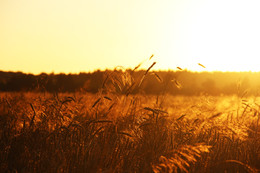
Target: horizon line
{"x": 126, "y": 69}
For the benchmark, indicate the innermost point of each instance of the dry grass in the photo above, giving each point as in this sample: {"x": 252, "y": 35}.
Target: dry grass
{"x": 115, "y": 131}
{"x": 112, "y": 133}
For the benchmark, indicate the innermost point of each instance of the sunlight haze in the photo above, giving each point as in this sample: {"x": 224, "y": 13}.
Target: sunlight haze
{"x": 84, "y": 35}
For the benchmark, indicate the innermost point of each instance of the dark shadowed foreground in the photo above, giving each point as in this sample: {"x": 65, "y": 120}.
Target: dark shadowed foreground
{"x": 109, "y": 132}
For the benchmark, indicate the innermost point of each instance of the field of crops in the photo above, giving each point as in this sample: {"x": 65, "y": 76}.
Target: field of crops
{"x": 80, "y": 132}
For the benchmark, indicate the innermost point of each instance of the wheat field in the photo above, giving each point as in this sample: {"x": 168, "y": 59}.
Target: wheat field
{"x": 109, "y": 132}
{"x": 121, "y": 129}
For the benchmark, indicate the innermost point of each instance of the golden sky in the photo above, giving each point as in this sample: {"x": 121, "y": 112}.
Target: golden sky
{"x": 84, "y": 35}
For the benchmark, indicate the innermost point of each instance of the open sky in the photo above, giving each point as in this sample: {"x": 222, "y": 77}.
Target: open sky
{"x": 74, "y": 36}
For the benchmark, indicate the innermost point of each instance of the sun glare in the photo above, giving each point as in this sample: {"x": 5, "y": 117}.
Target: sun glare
{"x": 88, "y": 35}
{"x": 223, "y": 35}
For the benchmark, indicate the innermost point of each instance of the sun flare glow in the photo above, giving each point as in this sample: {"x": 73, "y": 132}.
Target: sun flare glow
{"x": 68, "y": 36}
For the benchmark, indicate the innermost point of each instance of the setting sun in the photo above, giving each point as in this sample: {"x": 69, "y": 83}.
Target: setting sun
{"x": 74, "y": 36}
{"x": 130, "y": 86}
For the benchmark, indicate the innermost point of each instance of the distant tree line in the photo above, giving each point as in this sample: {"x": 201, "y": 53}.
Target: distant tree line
{"x": 18, "y": 81}
{"x": 129, "y": 81}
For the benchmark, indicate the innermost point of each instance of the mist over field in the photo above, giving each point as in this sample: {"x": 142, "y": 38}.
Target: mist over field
{"x": 190, "y": 83}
